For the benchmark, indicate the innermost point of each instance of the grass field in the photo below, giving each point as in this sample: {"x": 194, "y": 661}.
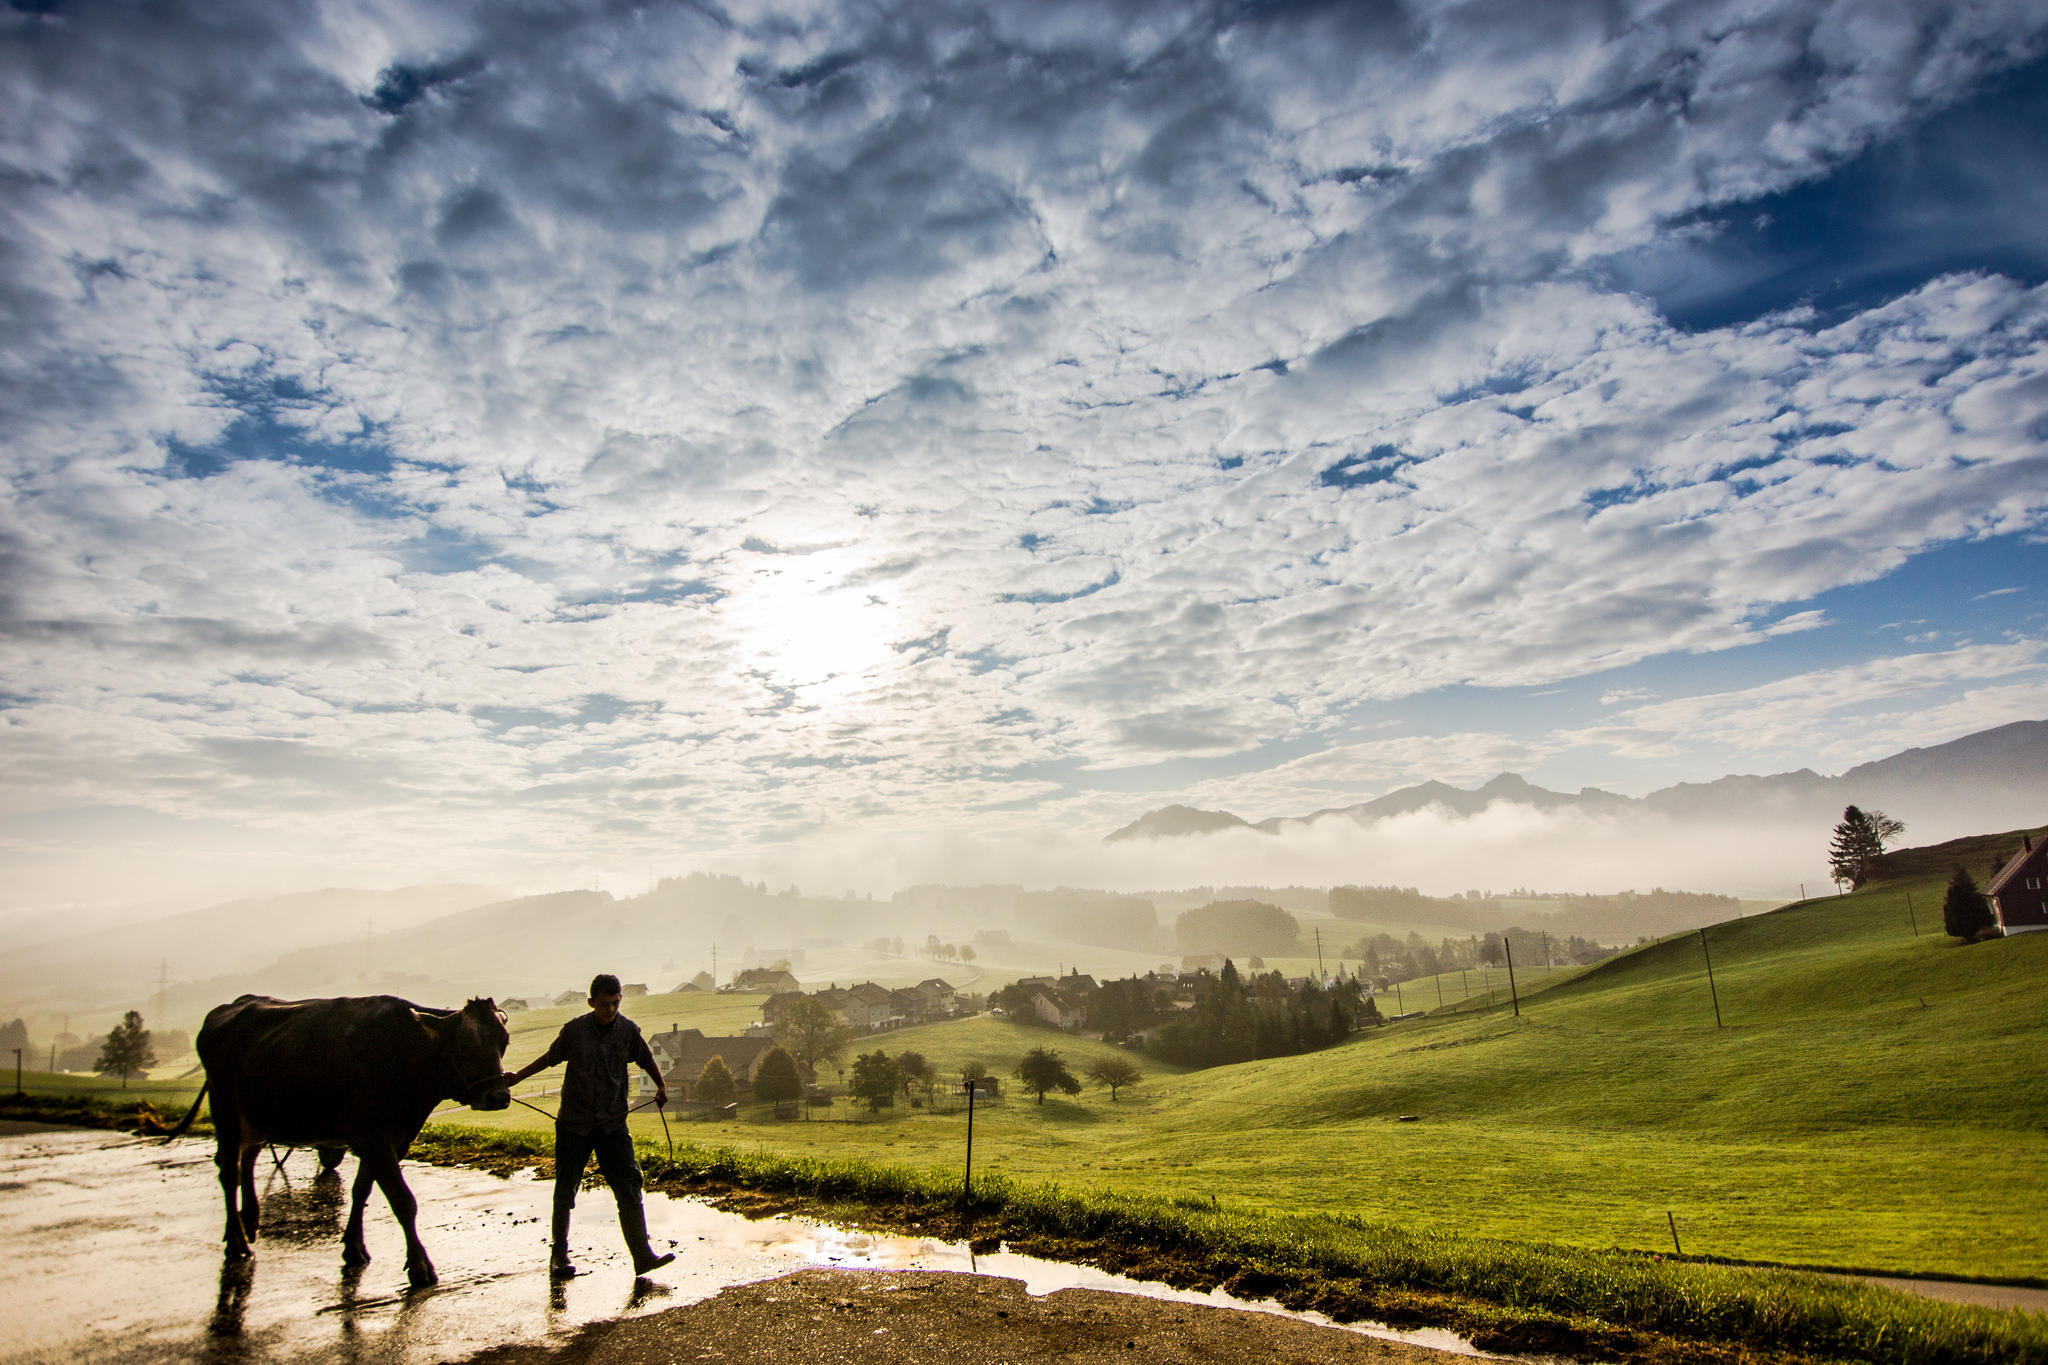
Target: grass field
{"x": 1873, "y": 1099}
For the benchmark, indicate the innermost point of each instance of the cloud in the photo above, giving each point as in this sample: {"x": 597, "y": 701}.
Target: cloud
{"x": 799, "y": 413}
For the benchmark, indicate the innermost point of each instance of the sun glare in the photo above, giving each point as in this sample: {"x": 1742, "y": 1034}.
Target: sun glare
{"x": 802, "y": 628}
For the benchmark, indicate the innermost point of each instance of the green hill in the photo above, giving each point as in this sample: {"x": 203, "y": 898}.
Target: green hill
{"x": 1875, "y": 1099}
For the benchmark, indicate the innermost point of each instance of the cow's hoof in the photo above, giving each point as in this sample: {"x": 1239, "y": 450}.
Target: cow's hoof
{"x": 355, "y": 1255}
{"x": 421, "y": 1276}
{"x": 237, "y": 1253}
{"x": 249, "y": 1227}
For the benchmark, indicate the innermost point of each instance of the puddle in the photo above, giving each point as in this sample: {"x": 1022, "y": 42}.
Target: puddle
{"x": 110, "y": 1251}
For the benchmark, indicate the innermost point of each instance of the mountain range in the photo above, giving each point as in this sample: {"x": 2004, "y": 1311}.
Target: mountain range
{"x": 2007, "y": 765}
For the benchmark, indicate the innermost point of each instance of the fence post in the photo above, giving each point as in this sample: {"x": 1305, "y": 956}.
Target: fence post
{"x": 1513, "y": 994}
{"x": 1710, "y": 990}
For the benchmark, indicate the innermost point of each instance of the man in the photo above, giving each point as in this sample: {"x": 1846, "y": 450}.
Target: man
{"x": 598, "y": 1046}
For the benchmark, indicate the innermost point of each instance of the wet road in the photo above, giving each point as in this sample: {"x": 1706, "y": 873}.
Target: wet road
{"x": 110, "y": 1251}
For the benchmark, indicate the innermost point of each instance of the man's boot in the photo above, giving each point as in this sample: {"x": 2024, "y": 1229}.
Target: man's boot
{"x": 633, "y": 1223}
{"x": 559, "y": 1265}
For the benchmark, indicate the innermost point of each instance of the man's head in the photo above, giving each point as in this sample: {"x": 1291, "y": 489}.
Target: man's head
{"x": 605, "y": 994}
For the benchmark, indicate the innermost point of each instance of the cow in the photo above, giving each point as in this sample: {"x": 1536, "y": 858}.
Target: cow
{"x": 361, "y": 1072}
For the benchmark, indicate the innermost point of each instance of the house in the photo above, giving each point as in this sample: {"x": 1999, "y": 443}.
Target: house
{"x": 570, "y": 998}
{"x": 511, "y": 1005}
{"x": 1057, "y": 1009}
{"x": 633, "y": 988}
{"x": 770, "y": 979}
{"x": 2019, "y": 893}
{"x": 681, "y": 1054}
{"x": 776, "y": 1007}
{"x": 868, "y": 1006}
{"x": 1202, "y": 962}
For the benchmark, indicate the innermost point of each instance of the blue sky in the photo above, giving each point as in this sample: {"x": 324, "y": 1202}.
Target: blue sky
{"x": 862, "y": 444}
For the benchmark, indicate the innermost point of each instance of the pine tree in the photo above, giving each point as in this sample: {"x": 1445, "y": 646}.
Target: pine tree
{"x": 1964, "y": 912}
{"x": 1856, "y": 852}
{"x": 126, "y": 1052}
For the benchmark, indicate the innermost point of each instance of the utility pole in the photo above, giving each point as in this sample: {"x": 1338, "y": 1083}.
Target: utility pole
{"x": 1710, "y": 978}
{"x": 1912, "y": 918}
{"x": 1319, "y": 954}
{"x": 1513, "y": 994}
{"x": 967, "y": 1185}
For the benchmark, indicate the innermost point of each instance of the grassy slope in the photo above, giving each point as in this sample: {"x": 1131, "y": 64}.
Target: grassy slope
{"x": 1876, "y": 1099}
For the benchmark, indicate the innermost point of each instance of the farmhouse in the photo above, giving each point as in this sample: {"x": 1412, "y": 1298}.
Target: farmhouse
{"x": 2019, "y": 893}
{"x": 682, "y": 1053}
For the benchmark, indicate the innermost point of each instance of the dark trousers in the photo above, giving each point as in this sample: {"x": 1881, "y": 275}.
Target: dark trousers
{"x": 613, "y": 1149}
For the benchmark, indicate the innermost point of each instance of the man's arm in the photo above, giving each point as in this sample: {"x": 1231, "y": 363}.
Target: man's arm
{"x": 646, "y": 1061}
{"x": 540, "y": 1063}
{"x": 552, "y": 1057}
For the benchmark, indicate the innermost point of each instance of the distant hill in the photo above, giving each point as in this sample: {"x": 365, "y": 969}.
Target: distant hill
{"x": 2002, "y": 764}
{"x": 1170, "y": 821}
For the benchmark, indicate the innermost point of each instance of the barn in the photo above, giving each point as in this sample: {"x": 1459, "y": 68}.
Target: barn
{"x": 2019, "y": 893}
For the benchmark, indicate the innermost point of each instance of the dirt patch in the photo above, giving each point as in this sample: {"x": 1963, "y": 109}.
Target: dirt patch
{"x": 879, "y": 1317}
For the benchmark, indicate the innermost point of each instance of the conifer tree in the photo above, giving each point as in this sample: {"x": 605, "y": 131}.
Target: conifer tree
{"x": 1965, "y": 912}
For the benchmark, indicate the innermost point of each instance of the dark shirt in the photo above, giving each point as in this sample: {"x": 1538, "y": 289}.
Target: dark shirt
{"x": 594, "y": 1092}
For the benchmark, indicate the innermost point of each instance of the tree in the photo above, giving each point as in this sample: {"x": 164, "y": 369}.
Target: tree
{"x": 972, "y": 1071}
{"x": 714, "y": 1083}
{"x": 126, "y": 1052}
{"x": 915, "y": 1070}
{"x": 812, "y": 1033}
{"x": 1856, "y": 852}
{"x": 1042, "y": 1070}
{"x": 966, "y": 954}
{"x": 1965, "y": 912}
{"x": 875, "y": 1078}
{"x": 776, "y": 1079}
{"x": 1114, "y": 1072}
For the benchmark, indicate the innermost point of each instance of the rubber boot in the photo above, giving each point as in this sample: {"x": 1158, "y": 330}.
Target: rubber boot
{"x": 633, "y": 1223}
{"x": 559, "y": 1265}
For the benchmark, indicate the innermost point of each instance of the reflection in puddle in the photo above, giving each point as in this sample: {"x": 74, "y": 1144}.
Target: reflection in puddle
{"x": 94, "y": 1207}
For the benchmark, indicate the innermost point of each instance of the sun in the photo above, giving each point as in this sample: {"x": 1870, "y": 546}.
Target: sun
{"x": 802, "y": 627}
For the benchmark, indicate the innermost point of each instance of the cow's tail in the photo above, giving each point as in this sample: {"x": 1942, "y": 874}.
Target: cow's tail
{"x": 190, "y": 1114}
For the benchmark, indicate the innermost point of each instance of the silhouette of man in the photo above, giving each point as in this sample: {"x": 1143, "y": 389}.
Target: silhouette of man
{"x": 598, "y": 1047}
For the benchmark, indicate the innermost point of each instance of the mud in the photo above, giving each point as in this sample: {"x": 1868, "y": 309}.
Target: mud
{"x": 110, "y": 1251}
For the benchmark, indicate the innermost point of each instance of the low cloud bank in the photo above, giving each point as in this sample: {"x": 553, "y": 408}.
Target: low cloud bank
{"x": 1502, "y": 847}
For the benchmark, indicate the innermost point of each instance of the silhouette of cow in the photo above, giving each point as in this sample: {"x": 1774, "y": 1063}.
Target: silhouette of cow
{"x": 362, "y": 1072}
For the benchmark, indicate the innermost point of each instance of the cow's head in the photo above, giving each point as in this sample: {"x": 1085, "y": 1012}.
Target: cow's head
{"x": 476, "y": 1039}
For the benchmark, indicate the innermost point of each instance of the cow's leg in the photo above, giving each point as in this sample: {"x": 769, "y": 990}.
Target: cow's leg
{"x": 383, "y": 1165}
{"x": 250, "y": 1151}
{"x": 353, "y": 1251}
{"x": 227, "y": 1155}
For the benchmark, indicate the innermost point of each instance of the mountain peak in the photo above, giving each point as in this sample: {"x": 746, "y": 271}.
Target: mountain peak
{"x": 1174, "y": 821}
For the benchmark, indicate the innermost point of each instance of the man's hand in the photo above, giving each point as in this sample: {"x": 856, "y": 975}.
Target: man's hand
{"x": 660, "y": 1097}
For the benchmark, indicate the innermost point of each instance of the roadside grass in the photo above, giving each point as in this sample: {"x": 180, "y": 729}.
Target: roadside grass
{"x": 1505, "y": 1296}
